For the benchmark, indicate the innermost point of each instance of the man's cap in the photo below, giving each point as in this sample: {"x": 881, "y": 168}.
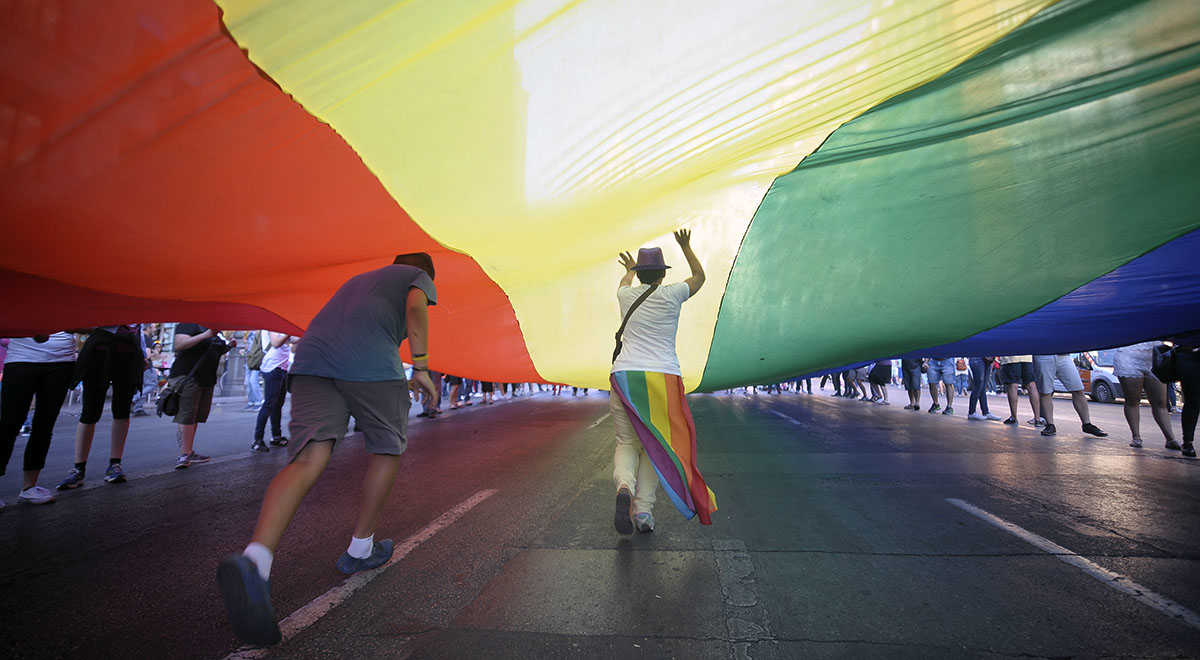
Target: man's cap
{"x": 650, "y": 259}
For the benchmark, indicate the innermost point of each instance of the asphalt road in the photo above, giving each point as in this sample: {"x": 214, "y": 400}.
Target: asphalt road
{"x": 835, "y": 537}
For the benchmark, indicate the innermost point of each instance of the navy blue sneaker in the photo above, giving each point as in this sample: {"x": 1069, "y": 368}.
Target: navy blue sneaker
{"x": 381, "y": 552}
{"x": 248, "y": 601}
{"x": 73, "y": 480}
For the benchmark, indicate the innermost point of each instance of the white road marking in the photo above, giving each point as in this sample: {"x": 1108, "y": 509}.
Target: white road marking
{"x": 320, "y": 606}
{"x": 1114, "y": 580}
{"x": 599, "y": 421}
{"x": 790, "y": 419}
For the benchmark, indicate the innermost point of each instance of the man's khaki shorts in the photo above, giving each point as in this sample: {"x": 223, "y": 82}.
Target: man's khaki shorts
{"x": 321, "y": 410}
{"x": 195, "y": 402}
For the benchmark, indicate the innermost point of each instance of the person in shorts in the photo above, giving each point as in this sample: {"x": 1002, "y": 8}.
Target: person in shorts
{"x": 1062, "y": 367}
{"x": 1016, "y": 370}
{"x": 941, "y": 372}
{"x": 1131, "y": 365}
{"x": 910, "y": 369}
{"x": 348, "y": 363}
{"x": 198, "y": 351}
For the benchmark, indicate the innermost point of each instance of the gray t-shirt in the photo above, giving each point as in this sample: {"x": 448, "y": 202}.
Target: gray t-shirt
{"x": 357, "y": 334}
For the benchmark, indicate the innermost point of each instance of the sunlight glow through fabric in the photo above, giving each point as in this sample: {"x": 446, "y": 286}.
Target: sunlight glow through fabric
{"x": 863, "y": 178}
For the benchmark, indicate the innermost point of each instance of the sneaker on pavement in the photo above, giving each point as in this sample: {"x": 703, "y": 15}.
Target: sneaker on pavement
{"x": 908, "y": 407}
{"x": 643, "y": 522}
{"x": 199, "y": 458}
{"x": 73, "y": 480}
{"x": 182, "y": 463}
{"x": 934, "y": 408}
{"x": 1094, "y": 430}
{"x": 992, "y": 418}
{"x": 1136, "y": 442}
{"x": 1049, "y": 430}
{"x": 976, "y": 416}
{"x": 259, "y": 445}
{"x": 36, "y": 495}
{"x": 623, "y": 517}
{"x": 381, "y": 552}
{"x": 114, "y": 474}
{"x": 1188, "y": 450}
{"x": 248, "y": 601}
{"x": 1172, "y": 445}
{"x": 948, "y": 411}
{"x": 279, "y": 442}
{"x": 1037, "y": 421}
{"x": 1011, "y": 420}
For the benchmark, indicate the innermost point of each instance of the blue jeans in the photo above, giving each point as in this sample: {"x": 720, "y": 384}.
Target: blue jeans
{"x": 960, "y": 383}
{"x": 254, "y": 393}
{"x": 981, "y": 377}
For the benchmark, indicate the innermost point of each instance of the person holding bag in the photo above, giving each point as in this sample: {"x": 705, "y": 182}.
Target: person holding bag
{"x": 655, "y": 434}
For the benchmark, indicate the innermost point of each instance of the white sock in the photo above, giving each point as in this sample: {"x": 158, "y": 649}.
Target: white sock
{"x": 361, "y": 548}
{"x": 262, "y": 558}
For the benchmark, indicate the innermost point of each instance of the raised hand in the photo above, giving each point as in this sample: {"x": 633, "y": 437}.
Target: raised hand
{"x": 683, "y": 237}
{"x": 627, "y": 261}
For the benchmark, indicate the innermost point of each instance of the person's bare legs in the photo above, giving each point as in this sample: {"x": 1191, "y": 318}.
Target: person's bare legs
{"x": 933, "y": 392}
{"x": 1081, "y": 407}
{"x": 83, "y": 441}
{"x": 1132, "y": 389}
{"x": 1156, "y": 391}
{"x": 1013, "y": 397}
{"x": 187, "y": 438}
{"x": 29, "y": 479}
{"x": 377, "y": 483}
{"x": 949, "y": 387}
{"x": 120, "y": 431}
{"x": 287, "y": 490}
{"x": 1034, "y": 399}
{"x": 1047, "y": 410}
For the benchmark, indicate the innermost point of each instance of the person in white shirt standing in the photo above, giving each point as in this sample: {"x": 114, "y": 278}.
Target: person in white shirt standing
{"x": 41, "y": 366}
{"x": 277, "y": 358}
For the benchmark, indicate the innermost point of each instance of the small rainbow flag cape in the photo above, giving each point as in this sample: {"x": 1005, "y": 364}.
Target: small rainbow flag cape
{"x": 659, "y": 412}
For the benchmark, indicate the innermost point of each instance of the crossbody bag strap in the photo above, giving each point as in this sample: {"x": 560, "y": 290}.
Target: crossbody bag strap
{"x": 625, "y": 321}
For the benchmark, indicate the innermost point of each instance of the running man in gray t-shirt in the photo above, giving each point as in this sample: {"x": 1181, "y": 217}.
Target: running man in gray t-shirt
{"x": 346, "y": 364}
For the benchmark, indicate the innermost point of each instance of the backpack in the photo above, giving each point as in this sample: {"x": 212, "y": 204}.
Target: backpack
{"x": 961, "y": 364}
{"x": 254, "y": 356}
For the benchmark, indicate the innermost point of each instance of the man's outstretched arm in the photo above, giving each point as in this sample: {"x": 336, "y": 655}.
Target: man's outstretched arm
{"x": 416, "y": 321}
{"x": 628, "y": 263}
{"x": 684, "y": 238}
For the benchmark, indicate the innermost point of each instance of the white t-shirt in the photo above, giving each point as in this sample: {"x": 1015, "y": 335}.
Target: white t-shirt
{"x": 59, "y": 348}
{"x": 274, "y": 357}
{"x": 649, "y": 338}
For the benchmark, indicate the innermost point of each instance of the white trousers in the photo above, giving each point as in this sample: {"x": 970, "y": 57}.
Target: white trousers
{"x": 631, "y": 466}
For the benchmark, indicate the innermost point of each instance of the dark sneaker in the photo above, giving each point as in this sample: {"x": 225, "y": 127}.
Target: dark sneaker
{"x": 199, "y": 458}
{"x": 644, "y": 522}
{"x": 1094, "y": 430}
{"x": 381, "y": 552}
{"x": 1173, "y": 446}
{"x": 1189, "y": 450}
{"x": 934, "y": 408}
{"x": 73, "y": 480}
{"x": 1136, "y": 442}
{"x": 114, "y": 474}
{"x": 248, "y": 601}
{"x": 1049, "y": 430}
{"x": 1011, "y": 420}
{"x": 948, "y": 411}
{"x": 260, "y": 446}
{"x": 182, "y": 463}
{"x": 279, "y": 442}
{"x": 623, "y": 517}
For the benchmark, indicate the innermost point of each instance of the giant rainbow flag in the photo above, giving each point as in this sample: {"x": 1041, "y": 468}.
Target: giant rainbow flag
{"x": 864, "y": 178}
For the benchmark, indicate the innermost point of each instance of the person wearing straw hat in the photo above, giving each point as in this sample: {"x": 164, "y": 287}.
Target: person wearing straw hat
{"x": 655, "y": 434}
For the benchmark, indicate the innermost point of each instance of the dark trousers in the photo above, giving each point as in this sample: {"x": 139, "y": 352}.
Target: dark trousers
{"x": 1187, "y": 363}
{"x": 22, "y": 380}
{"x": 272, "y": 406}
{"x": 981, "y": 377}
{"x": 121, "y": 370}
